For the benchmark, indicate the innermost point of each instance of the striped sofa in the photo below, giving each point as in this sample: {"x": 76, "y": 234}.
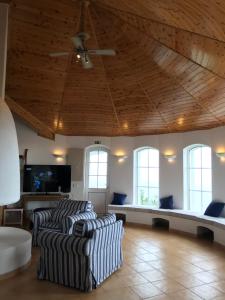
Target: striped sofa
{"x": 84, "y": 259}
{"x": 62, "y": 218}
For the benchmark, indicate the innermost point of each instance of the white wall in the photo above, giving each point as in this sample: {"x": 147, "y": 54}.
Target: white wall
{"x": 121, "y": 175}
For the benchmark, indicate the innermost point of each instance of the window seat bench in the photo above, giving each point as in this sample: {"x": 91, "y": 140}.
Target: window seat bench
{"x": 179, "y": 219}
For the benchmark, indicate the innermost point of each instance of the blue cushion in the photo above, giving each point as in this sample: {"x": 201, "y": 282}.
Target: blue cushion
{"x": 214, "y": 209}
{"x": 166, "y": 202}
{"x": 119, "y": 199}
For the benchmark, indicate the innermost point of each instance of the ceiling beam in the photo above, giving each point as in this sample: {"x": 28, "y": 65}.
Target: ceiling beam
{"x": 38, "y": 126}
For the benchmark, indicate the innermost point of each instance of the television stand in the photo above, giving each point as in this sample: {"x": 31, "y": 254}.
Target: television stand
{"x": 42, "y": 197}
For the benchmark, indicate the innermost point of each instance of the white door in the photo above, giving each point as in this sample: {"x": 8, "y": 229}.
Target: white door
{"x": 96, "y": 177}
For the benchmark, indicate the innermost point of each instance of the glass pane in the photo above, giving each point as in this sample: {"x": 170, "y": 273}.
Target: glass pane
{"x": 103, "y": 156}
{"x": 206, "y": 199}
{"x": 195, "y": 201}
{"x": 93, "y": 156}
{"x": 102, "y": 182}
{"x": 206, "y": 157}
{"x": 143, "y": 158}
{"x": 102, "y": 169}
{"x": 206, "y": 180}
{"x": 153, "y": 158}
{"x": 143, "y": 196}
{"x": 154, "y": 197}
{"x": 195, "y": 157}
{"x": 142, "y": 177}
{"x": 195, "y": 179}
{"x": 93, "y": 183}
{"x": 93, "y": 168}
{"x": 153, "y": 177}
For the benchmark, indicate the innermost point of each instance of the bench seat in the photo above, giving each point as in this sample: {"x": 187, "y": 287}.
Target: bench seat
{"x": 179, "y": 219}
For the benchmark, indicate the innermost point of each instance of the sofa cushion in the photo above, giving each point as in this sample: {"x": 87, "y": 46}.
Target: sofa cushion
{"x": 119, "y": 199}
{"x": 214, "y": 209}
{"x": 85, "y": 228}
{"x": 59, "y": 214}
{"x": 75, "y": 205}
{"x": 68, "y": 208}
{"x": 51, "y": 225}
{"x": 166, "y": 202}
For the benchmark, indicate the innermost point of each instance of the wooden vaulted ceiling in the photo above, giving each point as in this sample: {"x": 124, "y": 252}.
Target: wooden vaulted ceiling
{"x": 168, "y": 74}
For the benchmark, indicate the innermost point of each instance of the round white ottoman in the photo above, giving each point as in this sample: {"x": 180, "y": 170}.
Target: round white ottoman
{"x": 15, "y": 250}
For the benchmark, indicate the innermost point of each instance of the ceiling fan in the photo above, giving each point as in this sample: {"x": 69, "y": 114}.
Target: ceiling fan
{"x": 81, "y": 51}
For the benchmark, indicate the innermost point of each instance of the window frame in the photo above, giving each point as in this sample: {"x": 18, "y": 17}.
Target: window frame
{"x": 187, "y": 174}
{"x": 135, "y": 176}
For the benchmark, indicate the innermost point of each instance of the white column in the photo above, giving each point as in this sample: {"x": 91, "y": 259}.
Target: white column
{"x": 9, "y": 153}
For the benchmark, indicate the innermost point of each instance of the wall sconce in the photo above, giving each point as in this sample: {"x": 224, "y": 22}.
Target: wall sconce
{"x": 58, "y": 157}
{"x": 121, "y": 158}
{"x": 221, "y": 156}
{"x": 170, "y": 157}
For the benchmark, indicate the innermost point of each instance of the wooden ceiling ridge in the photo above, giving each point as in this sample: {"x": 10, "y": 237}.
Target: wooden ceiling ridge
{"x": 155, "y": 107}
{"x": 68, "y": 67}
{"x": 109, "y": 9}
{"x": 105, "y": 74}
{"x": 41, "y": 129}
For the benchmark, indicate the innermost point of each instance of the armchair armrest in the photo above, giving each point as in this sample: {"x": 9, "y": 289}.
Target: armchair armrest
{"x": 69, "y": 221}
{"x": 40, "y": 217}
{"x": 55, "y": 241}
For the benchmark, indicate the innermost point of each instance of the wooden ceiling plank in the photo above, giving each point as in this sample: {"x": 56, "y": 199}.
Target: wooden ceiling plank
{"x": 205, "y": 19}
{"x": 173, "y": 48}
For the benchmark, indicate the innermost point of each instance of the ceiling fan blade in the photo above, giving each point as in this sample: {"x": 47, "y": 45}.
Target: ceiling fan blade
{"x": 86, "y": 62}
{"x": 57, "y": 54}
{"x": 109, "y": 52}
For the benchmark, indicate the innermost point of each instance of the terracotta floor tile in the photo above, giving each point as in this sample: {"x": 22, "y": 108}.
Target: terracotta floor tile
{"x": 146, "y": 290}
{"x": 207, "y": 292}
{"x": 189, "y": 281}
{"x": 168, "y": 286}
{"x": 184, "y": 295}
{"x": 206, "y": 277}
{"x": 142, "y": 267}
{"x": 153, "y": 275}
{"x": 219, "y": 285}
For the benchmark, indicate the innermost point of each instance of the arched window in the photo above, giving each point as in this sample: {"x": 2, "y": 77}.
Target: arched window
{"x": 146, "y": 176}
{"x": 97, "y": 168}
{"x": 197, "y": 177}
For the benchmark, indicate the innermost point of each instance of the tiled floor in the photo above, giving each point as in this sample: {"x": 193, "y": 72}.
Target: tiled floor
{"x": 158, "y": 265}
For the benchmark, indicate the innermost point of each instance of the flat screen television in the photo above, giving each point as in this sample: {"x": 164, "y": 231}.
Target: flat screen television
{"x": 47, "y": 178}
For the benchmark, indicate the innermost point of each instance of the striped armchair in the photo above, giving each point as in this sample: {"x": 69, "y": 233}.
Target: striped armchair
{"x": 84, "y": 259}
{"x": 62, "y": 218}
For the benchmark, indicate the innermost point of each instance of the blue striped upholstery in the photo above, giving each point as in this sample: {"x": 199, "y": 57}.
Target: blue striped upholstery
{"x": 84, "y": 228}
{"x": 57, "y": 218}
{"x": 80, "y": 262}
{"x": 71, "y": 220}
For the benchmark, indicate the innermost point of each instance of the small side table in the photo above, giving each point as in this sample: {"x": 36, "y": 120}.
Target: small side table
{"x": 13, "y": 216}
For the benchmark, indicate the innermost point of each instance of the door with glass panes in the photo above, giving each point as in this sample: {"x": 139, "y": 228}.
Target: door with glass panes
{"x": 96, "y": 177}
